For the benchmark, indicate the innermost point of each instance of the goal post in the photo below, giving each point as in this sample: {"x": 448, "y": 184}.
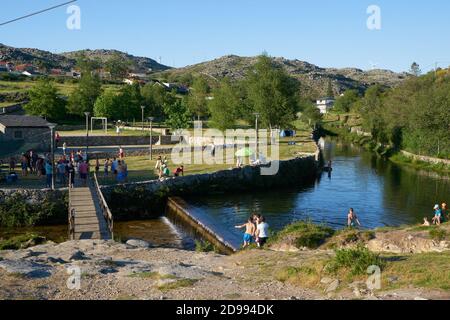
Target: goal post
{"x": 104, "y": 123}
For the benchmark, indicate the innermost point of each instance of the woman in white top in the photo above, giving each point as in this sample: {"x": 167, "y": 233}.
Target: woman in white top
{"x": 262, "y": 232}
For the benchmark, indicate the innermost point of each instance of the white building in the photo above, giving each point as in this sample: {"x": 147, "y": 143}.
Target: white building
{"x": 325, "y": 104}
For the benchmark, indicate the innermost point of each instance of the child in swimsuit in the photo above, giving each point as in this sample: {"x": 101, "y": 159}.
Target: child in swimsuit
{"x": 249, "y": 232}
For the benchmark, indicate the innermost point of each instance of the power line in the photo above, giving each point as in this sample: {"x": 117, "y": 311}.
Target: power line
{"x": 36, "y": 13}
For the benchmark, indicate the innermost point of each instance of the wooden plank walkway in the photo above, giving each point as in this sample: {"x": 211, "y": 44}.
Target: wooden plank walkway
{"x": 89, "y": 222}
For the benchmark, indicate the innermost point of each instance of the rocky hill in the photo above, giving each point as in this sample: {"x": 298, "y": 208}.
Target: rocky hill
{"x": 139, "y": 64}
{"x": 67, "y": 60}
{"x": 314, "y": 79}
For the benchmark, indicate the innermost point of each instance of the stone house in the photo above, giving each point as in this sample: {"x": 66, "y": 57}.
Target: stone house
{"x": 31, "y": 130}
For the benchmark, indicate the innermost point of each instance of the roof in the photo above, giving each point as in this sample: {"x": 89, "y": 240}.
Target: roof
{"x": 15, "y": 121}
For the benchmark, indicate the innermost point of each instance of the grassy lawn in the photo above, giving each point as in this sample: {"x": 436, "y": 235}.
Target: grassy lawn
{"x": 142, "y": 169}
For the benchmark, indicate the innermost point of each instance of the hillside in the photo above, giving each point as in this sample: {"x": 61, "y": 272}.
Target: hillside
{"x": 139, "y": 64}
{"x": 314, "y": 79}
{"x": 67, "y": 60}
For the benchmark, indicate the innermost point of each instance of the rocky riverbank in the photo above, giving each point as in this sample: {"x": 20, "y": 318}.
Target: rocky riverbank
{"x": 137, "y": 270}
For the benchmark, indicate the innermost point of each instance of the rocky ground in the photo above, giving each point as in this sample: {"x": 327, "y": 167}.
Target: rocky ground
{"x": 109, "y": 270}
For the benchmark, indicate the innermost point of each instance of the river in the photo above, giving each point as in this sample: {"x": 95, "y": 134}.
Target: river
{"x": 381, "y": 192}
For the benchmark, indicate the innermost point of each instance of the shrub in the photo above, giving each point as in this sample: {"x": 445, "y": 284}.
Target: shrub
{"x": 305, "y": 234}
{"x": 204, "y": 246}
{"x": 16, "y": 211}
{"x": 438, "y": 234}
{"x": 355, "y": 260}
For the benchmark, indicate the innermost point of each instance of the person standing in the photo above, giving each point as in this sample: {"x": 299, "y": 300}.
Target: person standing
{"x": 12, "y": 165}
{"x": 445, "y": 212}
{"x": 121, "y": 153}
{"x": 249, "y": 232}
{"x": 49, "y": 173}
{"x": 97, "y": 166}
{"x": 262, "y": 232}
{"x": 106, "y": 168}
{"x": 84, "y": 168}
{"x": 71, "y": 173}
{"x": 437, "y": 215}
{"x": 64, "y": 148}
{"x": 352, "y": 219}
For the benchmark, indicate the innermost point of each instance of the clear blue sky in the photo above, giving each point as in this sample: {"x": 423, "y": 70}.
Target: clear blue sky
{"x": 328, "y": 33}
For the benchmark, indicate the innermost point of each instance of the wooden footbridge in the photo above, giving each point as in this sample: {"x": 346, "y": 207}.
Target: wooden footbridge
{"x": 89, "y": 215}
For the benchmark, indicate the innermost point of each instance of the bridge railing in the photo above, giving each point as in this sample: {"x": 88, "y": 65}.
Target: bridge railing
{"x": 104, "y": 206}
{"x": 71, "y": 213}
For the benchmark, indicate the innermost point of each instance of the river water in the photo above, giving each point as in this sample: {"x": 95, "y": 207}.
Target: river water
{"x": 382, "y": 194}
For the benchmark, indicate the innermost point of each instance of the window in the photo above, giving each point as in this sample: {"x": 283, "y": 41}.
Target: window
{"x": 18, "y": 135}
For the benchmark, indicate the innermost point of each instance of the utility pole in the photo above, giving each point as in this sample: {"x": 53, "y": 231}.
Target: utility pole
{"x": 150, "y": 120}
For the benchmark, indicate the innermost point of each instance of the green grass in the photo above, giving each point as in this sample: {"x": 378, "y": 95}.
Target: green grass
{"x": 419, "y": 165}
{"x": 152, "y": 276}
{"x": 204, "y": 246}
{"x": 438, "y": 234}
{"x": 20, "y": 242}
{"x": 304, "y": 234}
{"x": 179, "y": 284}
{"x": 354, "y": 261}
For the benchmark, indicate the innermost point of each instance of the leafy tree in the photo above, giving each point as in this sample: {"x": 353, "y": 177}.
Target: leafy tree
{"x": 108, "y": 105}
{"x": 178, "y": 115}
{"x": 272, "y": 93}
{"x": 311, "y": 115}
{"x": 118, "y": 66}
{"x": 154, "y": 97}
{"x": 84, "y": 97}
{"x": 344, "y": 103}
{"x": 415, "y": 69}
{"x": 226, "y": 106}
{"x": 86, "y": 64}
{"x": 330, "y": 92}
{"x": 130, "y": 101}
{"x": 45, "y": 101}
{"x": 197, "y": 102}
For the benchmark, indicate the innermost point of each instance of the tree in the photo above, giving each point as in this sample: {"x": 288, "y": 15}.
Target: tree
{"x": 178, "y": 115}
{"x": 345, "y": 102}
{"x": 45, "y": 101}
{"x": 118, "y": 66}
{"x": 272, "y": 93}
{"x": 415, "y": 70}
{"x": 226, "y": 106}
{"x": 85, "y": 64}
{"x": 84, "y": 97}
{"x": 311, "y": 115}
{"x": 154, "y": 97}
{"x": 330, "y": 92}
{"x": 108, "y": 105}
{"x": 197, "y": 102}
{"x": 130, "y": 101}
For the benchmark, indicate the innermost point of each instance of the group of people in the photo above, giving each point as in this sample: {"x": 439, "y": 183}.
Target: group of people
{"x": 163, "y": 171}
{"x": 256, "y": 230}
{"x": 441, "y": 215}
{"x": 119, "y": 168}
{"x": 68, "y": 168}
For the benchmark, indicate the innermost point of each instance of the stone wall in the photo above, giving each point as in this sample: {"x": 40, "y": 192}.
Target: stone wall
{"x": 148, "y": 199}
{"x": 425, "y": 158}
{"x": 98, "y": 141}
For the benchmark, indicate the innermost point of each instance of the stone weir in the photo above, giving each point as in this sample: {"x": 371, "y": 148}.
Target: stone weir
{"x": 199, "y": 226}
